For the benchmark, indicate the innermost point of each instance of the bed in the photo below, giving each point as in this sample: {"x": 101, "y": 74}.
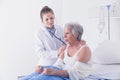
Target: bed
{"x": 106, "y": 60}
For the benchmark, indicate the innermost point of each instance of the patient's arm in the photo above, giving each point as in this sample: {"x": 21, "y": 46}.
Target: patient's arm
{"x": 62, "y": 73}
{"x": 49, "y": 71}
{"x": 84, "y": 55}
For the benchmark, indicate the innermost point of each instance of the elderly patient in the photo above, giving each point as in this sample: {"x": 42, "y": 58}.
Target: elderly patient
{"x": 73, "y": 59}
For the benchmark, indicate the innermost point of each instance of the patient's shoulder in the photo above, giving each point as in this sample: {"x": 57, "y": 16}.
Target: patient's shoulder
{"x": 84, "y": 54}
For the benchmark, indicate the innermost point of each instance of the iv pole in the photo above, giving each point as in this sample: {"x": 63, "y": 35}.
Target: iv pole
{"x": 108, "y": 8}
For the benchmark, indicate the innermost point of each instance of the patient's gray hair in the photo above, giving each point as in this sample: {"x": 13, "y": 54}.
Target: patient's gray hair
{"x": 76, "y": 29}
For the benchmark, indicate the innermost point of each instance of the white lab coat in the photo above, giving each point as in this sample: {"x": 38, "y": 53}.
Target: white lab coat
{"x": 46, "y": 46}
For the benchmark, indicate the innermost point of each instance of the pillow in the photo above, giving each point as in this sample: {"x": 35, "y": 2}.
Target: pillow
{"x": 107, "y": 52}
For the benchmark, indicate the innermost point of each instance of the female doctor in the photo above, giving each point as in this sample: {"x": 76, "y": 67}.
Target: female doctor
{"x": 49, "y": 38}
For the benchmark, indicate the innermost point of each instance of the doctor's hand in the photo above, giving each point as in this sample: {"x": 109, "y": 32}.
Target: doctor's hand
{"x": 39, "y": 69}
{"x": 83, "y": 42}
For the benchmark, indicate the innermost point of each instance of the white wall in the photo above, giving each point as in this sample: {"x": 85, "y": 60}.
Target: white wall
{"x": 87, "y": 13}
{"x": 18, "y": 25}
{"x": 18, "y": 21}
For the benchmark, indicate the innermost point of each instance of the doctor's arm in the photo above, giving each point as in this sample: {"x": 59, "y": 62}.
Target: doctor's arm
{"x": 41, "y": 51}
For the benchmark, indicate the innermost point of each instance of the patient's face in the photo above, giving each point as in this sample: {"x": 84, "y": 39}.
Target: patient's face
{"x": 68, "y": 36}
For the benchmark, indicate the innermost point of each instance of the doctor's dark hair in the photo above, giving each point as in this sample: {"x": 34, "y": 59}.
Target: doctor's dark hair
{"x": 45, "y": 10}
{"x": 76, "y": 29}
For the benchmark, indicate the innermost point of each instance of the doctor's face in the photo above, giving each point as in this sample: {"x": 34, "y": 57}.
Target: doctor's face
{"x": 48, "y": 19}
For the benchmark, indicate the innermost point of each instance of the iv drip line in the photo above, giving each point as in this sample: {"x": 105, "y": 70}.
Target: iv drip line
{"x": 108, "y": 8}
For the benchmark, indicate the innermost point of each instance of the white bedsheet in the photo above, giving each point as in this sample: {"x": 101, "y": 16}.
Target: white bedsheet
{"x": 107, "y": 71}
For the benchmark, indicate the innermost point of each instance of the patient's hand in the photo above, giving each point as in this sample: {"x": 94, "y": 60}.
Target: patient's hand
{"x": 61, "y": 51}
{"x": 39, "y": 69}
{"x": 49, "y": 71}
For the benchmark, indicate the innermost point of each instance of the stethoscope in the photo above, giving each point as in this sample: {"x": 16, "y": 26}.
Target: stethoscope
{"x": 57, "y": 37}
